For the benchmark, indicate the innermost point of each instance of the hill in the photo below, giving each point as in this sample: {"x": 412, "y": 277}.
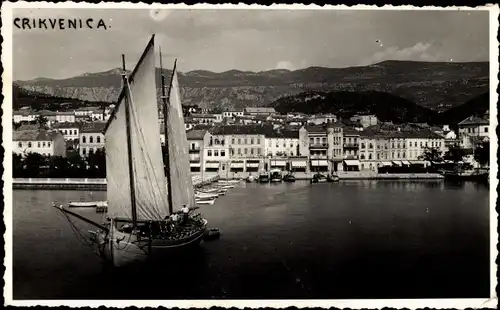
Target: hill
{"x": 475, "y": 106}
{"x": 434, "y": 85}
{"x": 385, "y": 106}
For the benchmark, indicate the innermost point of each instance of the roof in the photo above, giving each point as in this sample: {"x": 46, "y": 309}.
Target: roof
{"x": 68, "y": 125}
{"x": 65, "y": 113}
{"x": 29, "y": 127}
{"x": 417, "y": 134}
{"x": 349, "y": 131}
{"x": 196, "y": 134}
{"x": 259, "y": 110}
{"x": 94, "y": 127}
{"x": 34, "y": 135}
{"x": 283, "y": 134}
{"x": 473, "y": 120}
{"x": 316, "y": 128}
{"x": 253, "y": 129}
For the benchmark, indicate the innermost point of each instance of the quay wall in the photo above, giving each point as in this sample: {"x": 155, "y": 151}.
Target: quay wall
{"x": 86, "y": 184}
{"x": 345, "y": 175}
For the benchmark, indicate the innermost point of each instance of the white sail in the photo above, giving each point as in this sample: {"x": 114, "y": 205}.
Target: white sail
{"x": 147, "y": 160}
{"x": 180, "y": 172}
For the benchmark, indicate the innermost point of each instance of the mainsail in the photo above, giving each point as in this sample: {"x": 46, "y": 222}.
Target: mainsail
{"x": 139, "y": 96}
{"x": 178, "y": 155}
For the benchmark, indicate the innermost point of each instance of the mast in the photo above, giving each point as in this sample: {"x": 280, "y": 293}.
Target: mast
{"x": 129, "y": 146}
{"x": 165, "y": 111}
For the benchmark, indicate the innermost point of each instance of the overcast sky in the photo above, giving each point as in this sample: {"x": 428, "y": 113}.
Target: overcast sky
{"x": 253, "y": 40}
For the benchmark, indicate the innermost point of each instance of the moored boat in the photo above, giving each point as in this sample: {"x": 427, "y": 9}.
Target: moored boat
{"x": 264, "y": 177}
{"x": 289, "y": 178}
{"x": 250, "y": 179}
{"x": 276, "y": 175}
{"x": 319, "y": 178}
{"x": 87, "y": 204}
{"x": 333, "y": 178}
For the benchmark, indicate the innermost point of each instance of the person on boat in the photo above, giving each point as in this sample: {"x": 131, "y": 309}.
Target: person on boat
{"x": 185, "y": 213}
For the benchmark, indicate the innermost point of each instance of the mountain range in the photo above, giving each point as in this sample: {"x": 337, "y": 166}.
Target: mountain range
{"x": 437, "y": 86}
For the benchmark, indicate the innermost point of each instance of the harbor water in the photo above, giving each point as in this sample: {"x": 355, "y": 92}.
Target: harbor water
{"x": 351, "y": 239}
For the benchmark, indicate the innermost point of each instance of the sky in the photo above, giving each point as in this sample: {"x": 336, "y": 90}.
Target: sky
{"x": 247, "y": 40}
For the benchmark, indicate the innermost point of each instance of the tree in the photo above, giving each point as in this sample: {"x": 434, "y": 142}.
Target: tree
{"x": 455, "y": 154}
{"x": 97, "y": 163}
{"x": 42, "y": 121}
{"x": 58, "y": 167}
{"x": 482, "y": 153}
{"x": 17, "y": 165}
{"x": 432, "y": 154}
{"x": 33, "y": 164}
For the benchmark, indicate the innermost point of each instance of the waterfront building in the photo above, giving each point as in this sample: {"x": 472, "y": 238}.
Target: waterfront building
{"x": 350, "y": 146}
{"x": 65, "y": 117}
{"x": 280, "y": 145}
{"x": 313, "y": 142}
{"x": 335, "y": 149}
{"x": 368, "y": 152}
{"x": 215, "y": 158}
{"x": 44, "y": 142}
{"x": 472, "y": 131}
{"x": 70, "y": 131}
{"x": 259, "y": 111}
{"x": 246, "y": 144}
{"x": 197, "y": 139}
{"x": 50, "y": 116}
{"x": 91, "y": 138}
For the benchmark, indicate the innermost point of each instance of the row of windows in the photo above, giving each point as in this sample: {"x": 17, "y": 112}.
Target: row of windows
{"x": 246, "y": 151}
{"x": 469, "y": 130}
{"x": 90, "y": 151}
{"x": 38, "y": 144}
{"x": 216, "y": 153}
{"x": 91, "y": 139}
{"x": 245, "y": 140}
{"x": 317, "y": 140}
{"x": 69, "y": 131}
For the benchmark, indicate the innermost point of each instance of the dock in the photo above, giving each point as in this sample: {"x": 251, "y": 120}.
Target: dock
{"x": 87, "y": 184}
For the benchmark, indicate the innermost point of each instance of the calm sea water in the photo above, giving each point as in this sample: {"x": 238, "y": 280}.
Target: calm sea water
{"x": 352, "y": 239}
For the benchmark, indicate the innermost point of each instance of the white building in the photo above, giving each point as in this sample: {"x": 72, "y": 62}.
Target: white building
{"x": 65, "y": 117}
{"x": 70, "y": 131}
{"x": 282, "y": 143}
{"x": 91, "y": 138}
{"x": 47, "y": 143}
{"x": 472, "y": 131}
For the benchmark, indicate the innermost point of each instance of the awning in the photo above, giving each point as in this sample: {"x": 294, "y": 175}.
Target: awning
{"x": 318, "y": 163}
{"x": 237, "y": 165}
{"x": 405, "y": 162}
{"x": 212, "y": 165}
{"x": 252, "y": 165}
{"x": 397, "y": 162}
{"x": 278, "y": 163}
{"x": 299, "y": 164}
{"x": 386, "y": 163}
{"x": 417, "y": 162}
{"x": 194, "y": 164}
{"x": 351, "y": 162}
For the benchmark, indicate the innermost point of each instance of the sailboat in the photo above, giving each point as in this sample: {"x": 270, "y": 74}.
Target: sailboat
{"x": 146, "y": 218}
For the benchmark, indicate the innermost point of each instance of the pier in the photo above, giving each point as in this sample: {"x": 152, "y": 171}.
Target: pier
{"x": 88, "y": 184}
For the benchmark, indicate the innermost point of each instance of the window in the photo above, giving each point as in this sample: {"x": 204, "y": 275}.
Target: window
{"x": 410, "y": 144}
{"x": 239, "y": 151}
{"x": 232, "y": 141}
{"x": 246, "y": 151}
{"x": 91, "y": 139}
{"x": 485, "y": 129}
{"x": 258, "y": 151}
{"x": 362, "y": 156}
{"x": 38, "y": 144}
{"x": 251, "y": 151}
{"x": 362, "y": 145}
{"x": 29, "y": 144}
{"x": 246, "y": 141}
{"x": 19, "y": 144}
{"x": 48, "y": 144}
{"x": 378, "y": 156}
{"x": 392, "y": 154}
{"x": 232, "y": 151}
{"x": 371, "y": 145}
{"x": 216, "y": 153}
{"x": 420, "y": 143}
{"x": 404, "y": 155}
{"x": 84, "y": 139}
{"x": 209, "y": 153}
{"x": 399, "y": 154}
{"x": 83, "y": 152}
{"x": 239, "y": 140}
{"x": 222, "y": 153}
{"x": 258, "y": 140}
{"x": 98, "y": 139}
{"x": 251, "y": 141}
{"x": 468, "y": 129}
{"x": 392, "y": 144}
{"x": 370, "y": 156}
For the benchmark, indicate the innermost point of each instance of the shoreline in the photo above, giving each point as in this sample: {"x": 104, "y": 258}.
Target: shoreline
{"x": 100, "y": 184}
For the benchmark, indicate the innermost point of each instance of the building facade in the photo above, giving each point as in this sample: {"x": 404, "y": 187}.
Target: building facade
{"x": 91, "y": 138}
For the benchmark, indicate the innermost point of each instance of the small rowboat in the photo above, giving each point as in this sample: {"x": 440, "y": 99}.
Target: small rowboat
{"x": 201, "y": 195}
{"x": 212, "y": 233}
{"x": 205, "y": 201}
{"x": 87, "y": 204}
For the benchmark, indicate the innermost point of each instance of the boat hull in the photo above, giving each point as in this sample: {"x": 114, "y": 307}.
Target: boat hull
{"x": 121, "y": 249}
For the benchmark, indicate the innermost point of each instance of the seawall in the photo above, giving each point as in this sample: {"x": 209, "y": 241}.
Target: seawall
{"x": 344, "y": 175}
{"x": 86, "y": 184}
